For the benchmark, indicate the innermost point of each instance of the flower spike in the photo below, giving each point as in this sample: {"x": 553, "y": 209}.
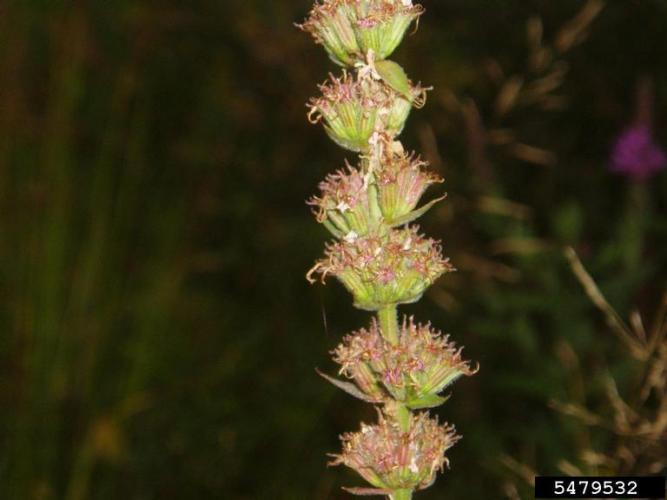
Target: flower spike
{"x": 393, "y": 459}
{"x": 414, "y": 371}
{"x": 380, "y": 259}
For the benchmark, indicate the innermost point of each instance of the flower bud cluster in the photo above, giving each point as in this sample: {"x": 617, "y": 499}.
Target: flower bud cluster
{"x": 390, "y": 458}
{"x": 413, "y": 371}
{"x": 385, "y": 269}
{"x": 354, "y": 108}
{"x": 348, "y": 29}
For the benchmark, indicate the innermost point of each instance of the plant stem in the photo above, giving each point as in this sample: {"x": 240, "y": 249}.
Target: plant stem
{"x": 403, "y": 417}
{"x": 388, "y": 318}
{"x": 401, "y": 495}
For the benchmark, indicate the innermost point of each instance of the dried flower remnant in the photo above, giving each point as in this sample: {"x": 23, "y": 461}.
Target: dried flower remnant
{"x": 392, "y": 459}
{"x": 414, "y": 371}
{"x": 636, "y": 155}
{"x": 354, "y": 108}
{"x": 385, "y": 270}
{"x": 348, "y": 29}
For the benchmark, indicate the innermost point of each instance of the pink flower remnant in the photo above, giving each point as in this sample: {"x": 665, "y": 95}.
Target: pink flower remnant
{"x": 636, "y": 155}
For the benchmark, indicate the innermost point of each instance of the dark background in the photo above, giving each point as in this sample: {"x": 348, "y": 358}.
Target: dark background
{"x": 159, "y": 338}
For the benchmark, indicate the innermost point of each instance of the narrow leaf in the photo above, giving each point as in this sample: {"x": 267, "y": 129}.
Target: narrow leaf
{"x": 429, "y": 401}
{"x": 351, "y": 389}
{"x": 415, "y": 214}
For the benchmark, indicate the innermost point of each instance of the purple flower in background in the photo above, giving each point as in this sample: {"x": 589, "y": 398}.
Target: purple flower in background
{"x": 636, "y": 155}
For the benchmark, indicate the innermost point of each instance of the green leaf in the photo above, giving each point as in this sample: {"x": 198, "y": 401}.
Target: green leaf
{"x": 428, "y": 401}
{"x": 351, "y": 389}
{"x": 415, "y": 214}
{"x": 394, "y": 76}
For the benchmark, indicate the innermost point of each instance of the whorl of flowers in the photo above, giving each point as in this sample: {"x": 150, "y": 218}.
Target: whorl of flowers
{"x": 348, "y": 29}
{"x": 353, "y": 108}
{"x": 352, "y": 204}
{"x": 414, "y": 371}
{"x": 391, "y": 459}
{"x": 385, "y": 269}
{"x": 379, "y": 258}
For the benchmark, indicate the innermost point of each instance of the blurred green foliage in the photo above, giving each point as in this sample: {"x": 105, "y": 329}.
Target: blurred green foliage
{"x": 158, "y": 336}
